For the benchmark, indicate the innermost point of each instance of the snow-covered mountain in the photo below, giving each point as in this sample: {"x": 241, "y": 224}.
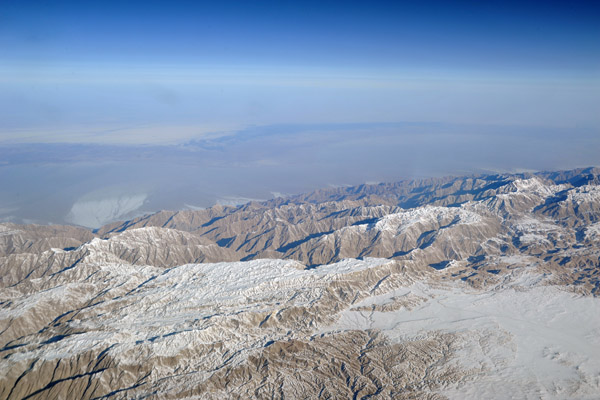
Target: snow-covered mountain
{"x": 477, "y": 287}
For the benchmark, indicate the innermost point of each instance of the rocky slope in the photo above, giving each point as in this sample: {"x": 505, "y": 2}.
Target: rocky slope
{"x": 445, "y": 288}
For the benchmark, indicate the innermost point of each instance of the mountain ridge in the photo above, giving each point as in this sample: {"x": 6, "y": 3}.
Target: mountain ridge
{"x": 351, "y": 297}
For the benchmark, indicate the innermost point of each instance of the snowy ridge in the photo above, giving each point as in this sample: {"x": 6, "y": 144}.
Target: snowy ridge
{"x": 534, "y": 185}
{"x": 178, "y": 296}
{"x": 399, "y": 223}
{"x": 584, "y": 194}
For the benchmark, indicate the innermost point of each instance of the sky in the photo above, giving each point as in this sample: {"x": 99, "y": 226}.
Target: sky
{"x": 110, "y": 109}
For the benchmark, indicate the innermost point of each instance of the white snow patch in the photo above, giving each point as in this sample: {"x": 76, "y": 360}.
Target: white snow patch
{"x": 530, "y": 238}
{"x": 546, "y": 341}
{"x": 532, "y": 185}
{"x": 592, "y": 232}
{"x": 584, "y": 194}
{"x": 530, "y": 224}
{"x": 518, "y": 259}
{"x": 402, "y": 221}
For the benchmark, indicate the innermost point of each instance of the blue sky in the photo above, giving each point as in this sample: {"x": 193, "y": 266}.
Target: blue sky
{"x": 282, "y": 97}
{"x": 199, "y": 67}
{"x": 500, "y": 36}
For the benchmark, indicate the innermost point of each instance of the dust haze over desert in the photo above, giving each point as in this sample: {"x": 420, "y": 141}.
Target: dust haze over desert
{"x": 299, "y": 200}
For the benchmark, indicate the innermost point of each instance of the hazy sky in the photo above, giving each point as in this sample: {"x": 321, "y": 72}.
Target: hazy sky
{"x": 127, "y": 107}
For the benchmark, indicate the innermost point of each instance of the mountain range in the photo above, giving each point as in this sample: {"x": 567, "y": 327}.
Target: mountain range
{"x": 484, "y": 286}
